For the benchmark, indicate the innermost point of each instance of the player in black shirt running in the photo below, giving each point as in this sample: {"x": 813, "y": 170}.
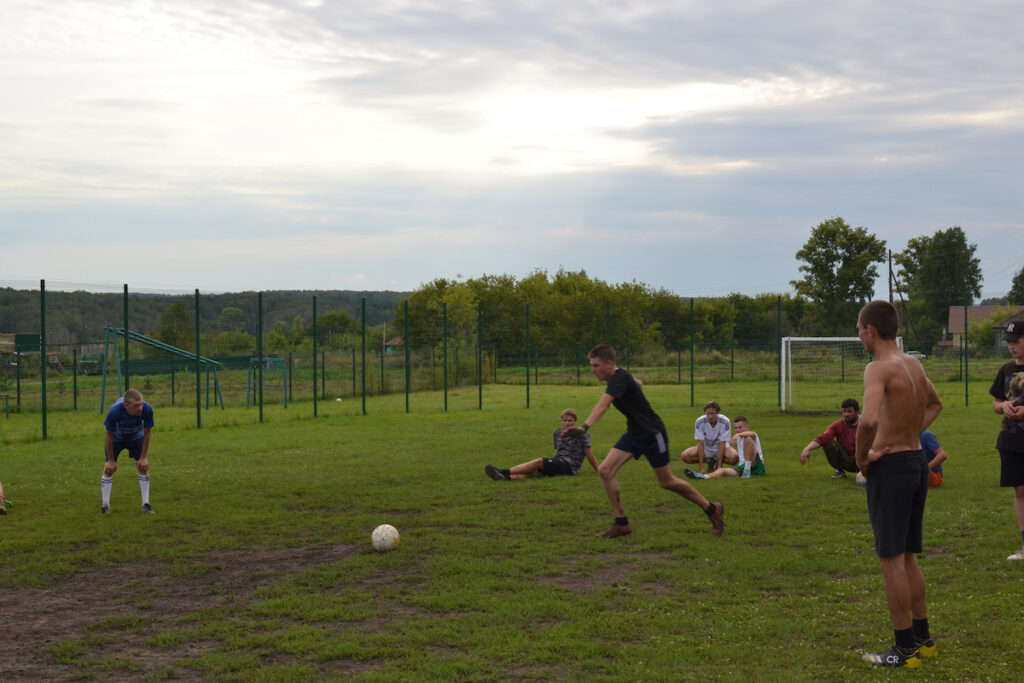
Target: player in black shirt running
{"x": 645, "y": 435}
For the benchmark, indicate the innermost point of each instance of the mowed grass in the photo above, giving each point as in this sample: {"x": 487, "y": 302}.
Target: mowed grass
{"x": 496, "y": 581}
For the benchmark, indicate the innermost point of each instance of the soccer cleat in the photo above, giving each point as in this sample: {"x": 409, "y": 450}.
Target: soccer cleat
{"x": 717, "y": 523}
{"x": 1019, "y": 555}
{"x": 104, "y": 509}
{"x": 616, "y": 530}
{"x": 694, "y": 475}
{"x": 494, "y": 473}
{"x": 926, "y": 648}
{"x": 839, "y": 474}
{"x": 147, "y": 509}
{"x": 896, "y": 657}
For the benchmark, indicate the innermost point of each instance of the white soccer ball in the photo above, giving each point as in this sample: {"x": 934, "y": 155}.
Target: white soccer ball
{"x": 385, "y": 538}
{"x": 338, "y": 399}
{"x": 861, "y": 479}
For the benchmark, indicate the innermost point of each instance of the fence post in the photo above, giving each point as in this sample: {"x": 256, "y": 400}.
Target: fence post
{"x": 405, "y": 343}
{"x": 480, "y": 355}
{"x": 259, "y": 350}
{"x": 692, "y": 337}
{"x": 314, "y": 357}
{"x": 527, "y": 358}
{"x": 127, "y": 370}
{"x": 444, "y": 352}
{"x": 363, "y": 316}
{"x": 42, "y": 348}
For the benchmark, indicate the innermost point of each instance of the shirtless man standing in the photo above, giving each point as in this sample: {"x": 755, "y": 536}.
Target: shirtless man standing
{"x": 899, "y": 403}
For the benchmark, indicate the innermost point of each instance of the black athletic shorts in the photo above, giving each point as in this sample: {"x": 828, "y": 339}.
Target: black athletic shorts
{"x": 1012, "y": 471}
{"x": 555, "y": 466}
{"x": 897, "y": 489}
{"x": 655, "y": 448}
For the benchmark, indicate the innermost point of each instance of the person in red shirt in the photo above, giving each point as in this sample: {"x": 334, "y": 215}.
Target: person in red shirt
{"x": 839, "y": 441}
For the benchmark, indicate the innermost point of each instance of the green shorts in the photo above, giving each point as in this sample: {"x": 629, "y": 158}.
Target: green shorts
{"x": 758, "y": 467}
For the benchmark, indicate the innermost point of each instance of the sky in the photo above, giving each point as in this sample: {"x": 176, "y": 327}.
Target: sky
{"x": 233, "y": 145}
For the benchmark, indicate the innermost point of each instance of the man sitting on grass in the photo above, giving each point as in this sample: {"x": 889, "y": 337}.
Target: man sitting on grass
{"x": 748, "y": 445}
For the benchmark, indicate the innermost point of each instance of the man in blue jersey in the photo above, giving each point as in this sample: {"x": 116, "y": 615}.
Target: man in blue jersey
{"x": 128, "y": 424}
{"x": 645, "y": 435}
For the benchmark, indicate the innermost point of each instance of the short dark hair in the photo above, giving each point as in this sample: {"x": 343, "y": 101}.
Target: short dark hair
{"x": 602, "y": 352}
{"x": 713, "y": 404}
{"x": 740, "y": 418}
{"x": 883, "y": 315}
{"x": 851, "y": 403}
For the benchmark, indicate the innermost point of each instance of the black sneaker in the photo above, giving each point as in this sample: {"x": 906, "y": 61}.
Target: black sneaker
{"x": 896, "y": 657}
{"x": 495, "y": 474}
{"x": 147, "y": 509}
{"x": 104, "y": 509}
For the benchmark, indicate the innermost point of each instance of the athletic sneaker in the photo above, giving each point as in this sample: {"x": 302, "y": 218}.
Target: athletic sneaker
{"x": 717, "y": 523}
{"x": 616, "y": 530}
{"x": 694, "y": 475}
{"x": 495, "y": 474}
{"x": 148, "y": 510}
{"x": 1019, "y": 555}
{"x": 897, "y": 656}
{"x": 104, "y": 509}
{"x": 839, "y": 474}
{"x": 926, "y": 648}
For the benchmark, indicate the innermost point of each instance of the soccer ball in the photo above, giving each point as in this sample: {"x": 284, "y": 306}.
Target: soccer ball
{"x": 384, "y": 538}
{"x": 861, "y": 479}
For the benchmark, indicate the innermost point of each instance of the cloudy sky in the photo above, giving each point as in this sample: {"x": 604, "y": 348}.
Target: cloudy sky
{"x": 234, "y": 145}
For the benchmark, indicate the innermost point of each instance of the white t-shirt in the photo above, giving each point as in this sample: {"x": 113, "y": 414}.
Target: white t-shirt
{"x": 757, "y": 448}
{"x": 712, "y": 435}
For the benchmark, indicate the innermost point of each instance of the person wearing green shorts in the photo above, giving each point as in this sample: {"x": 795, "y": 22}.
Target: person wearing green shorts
{"x": 748, "y": 446}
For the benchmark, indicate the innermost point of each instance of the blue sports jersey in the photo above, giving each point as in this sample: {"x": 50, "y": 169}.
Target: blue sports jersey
{"x": 128, "y": 427}
{"x": 930, "y": 444}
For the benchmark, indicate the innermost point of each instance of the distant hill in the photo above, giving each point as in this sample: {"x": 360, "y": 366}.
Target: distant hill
{"x": 79, "y": 317}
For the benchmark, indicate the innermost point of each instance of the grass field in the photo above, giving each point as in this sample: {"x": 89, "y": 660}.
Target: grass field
{"x": 258, "y": 565}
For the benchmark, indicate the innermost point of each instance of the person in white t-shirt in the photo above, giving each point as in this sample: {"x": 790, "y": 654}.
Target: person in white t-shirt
{"x": 712, "y": 431}
{"x": 746, "y": 443}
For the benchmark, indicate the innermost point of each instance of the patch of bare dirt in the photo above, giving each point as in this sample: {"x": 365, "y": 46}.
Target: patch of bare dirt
{"x": 116, "y": 598}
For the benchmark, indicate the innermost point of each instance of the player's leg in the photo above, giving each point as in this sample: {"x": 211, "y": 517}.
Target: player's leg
{"x": 107, "y": 478}
{"x": 691, "y": 455}
{"x": 526, "y": 469}
{"x": 142, "y": 467}
{"x": 1018, "y": 506}
{"x": 611, "y": 464}
{"x": 3, "y": 501}
{"x": 729, "y": 455}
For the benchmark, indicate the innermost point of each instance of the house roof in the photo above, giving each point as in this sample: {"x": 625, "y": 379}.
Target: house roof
{"x": 956, "y": 316}
{"x": 394, "y": 341}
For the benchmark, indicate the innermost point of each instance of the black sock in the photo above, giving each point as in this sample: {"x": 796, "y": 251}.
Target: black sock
{"x": 921, "y": 632}
{"x": 621, "y": 521}
{"x": 1022, "y": 537}
{"x": 507, "y": 473}
{"x": 904, "y": 638}
{"x": 710, "y": 509}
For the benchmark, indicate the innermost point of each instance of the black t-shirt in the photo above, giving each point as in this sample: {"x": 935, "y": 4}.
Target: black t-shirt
{"x": 1009, "y": 386}
{"x": 641, "y": 420}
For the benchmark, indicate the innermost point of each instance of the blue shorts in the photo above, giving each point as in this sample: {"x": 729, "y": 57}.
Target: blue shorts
{"x": 655, "y": 449}
{"x": 134, "y": 449}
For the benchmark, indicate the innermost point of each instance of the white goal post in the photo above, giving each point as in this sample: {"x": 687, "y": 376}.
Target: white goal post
{"x": 826, "y": 361}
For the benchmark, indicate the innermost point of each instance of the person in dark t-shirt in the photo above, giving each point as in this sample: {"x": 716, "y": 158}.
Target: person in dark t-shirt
{"x": 1008, "y": 400}
{"x": 645, "y": 435}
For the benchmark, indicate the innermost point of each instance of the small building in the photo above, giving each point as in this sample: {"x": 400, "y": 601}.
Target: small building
{"x": 955, "y": 326}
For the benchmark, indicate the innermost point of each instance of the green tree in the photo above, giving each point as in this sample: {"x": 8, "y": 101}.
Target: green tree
{"x": 940, "y": 271}
{"x": 176, "y": 326}
{"x": 1016, "y": 293}
{"x": 840, "y": 272}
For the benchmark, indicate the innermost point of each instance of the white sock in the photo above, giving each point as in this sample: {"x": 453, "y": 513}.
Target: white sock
{"x": 144, "y": 487}
{"x": 105, "y": 485}
{"x": 747, "y": 466}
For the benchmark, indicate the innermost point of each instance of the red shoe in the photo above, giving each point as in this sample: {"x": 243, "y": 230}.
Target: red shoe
{"x": 616, "y": 530}
{"x": 717, "y": 523}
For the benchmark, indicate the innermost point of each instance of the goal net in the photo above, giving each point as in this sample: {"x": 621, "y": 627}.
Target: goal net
{"x": 818, "y": 373}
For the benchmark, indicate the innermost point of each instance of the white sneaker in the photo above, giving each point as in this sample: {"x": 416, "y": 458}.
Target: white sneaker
{"x": 1019, "y": 555}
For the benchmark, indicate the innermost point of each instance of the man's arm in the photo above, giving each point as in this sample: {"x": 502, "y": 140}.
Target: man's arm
{"x": 599, "y": 410}
{"x": 700, "y": 455}
{"x": 867, "y": 428}
{"x": 108, "y": 447}
{"x": 589, "y": 452}
{"x": 805, "y": 454}
{"x": 933, "y": 407}
{"x": 940, "y": 457}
